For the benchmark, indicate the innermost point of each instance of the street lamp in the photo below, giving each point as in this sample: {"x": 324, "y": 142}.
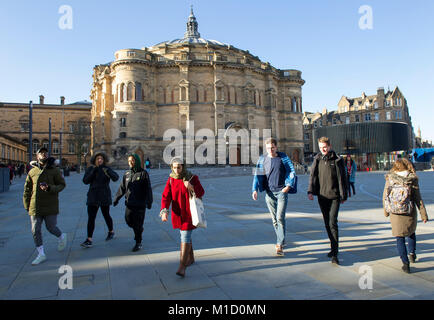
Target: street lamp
{"x": 84, "y": 150}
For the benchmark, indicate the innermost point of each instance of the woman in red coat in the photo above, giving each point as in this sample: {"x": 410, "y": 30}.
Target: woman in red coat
{"x": 176, "y": 192}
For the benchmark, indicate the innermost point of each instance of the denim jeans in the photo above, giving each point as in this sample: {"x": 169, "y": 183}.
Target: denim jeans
{"x": 186, "y": 235}
{"x": 402, "y": 249}
{"x": 276, "y": 203}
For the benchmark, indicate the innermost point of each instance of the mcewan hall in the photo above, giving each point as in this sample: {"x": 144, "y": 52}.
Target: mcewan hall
{"x": 145, "y": 92}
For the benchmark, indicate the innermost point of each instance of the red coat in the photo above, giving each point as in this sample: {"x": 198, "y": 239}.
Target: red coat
{"x": 176, "y": 193}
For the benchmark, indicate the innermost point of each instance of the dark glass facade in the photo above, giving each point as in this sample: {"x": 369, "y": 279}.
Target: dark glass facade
{"x": 374, "y": 145}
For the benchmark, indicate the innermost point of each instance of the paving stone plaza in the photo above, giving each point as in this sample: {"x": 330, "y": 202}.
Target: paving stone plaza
{"x": 235, "y": 255}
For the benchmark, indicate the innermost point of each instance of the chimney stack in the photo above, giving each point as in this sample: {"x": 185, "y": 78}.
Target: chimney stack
{"x": 62, "y": 100}
{"x": 41, "y": 99}
{"x": 380, "y": 92}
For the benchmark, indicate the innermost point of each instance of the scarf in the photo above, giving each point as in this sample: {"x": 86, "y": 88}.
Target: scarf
{"x": 184, "y": 175}
{"x": 349, "y": 167}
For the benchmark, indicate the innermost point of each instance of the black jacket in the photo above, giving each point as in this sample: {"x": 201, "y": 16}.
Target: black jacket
{"x": 99, "y": 193}
{"x": 136, "y": 186}
{"x": 318, "y": 182}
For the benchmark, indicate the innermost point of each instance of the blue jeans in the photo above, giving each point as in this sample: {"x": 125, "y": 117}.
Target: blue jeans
{"x": 402, "y": 249}
{"x": 276, "y": 203}
{"x": 186, "y": 236}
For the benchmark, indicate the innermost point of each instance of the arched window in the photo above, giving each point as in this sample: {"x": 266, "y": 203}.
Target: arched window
{"x": 130, "y": 92}
{"x": 139, "y": 96}
{"x": 46, "y": 144}
{"x": 35, "y": 145}
{"x": 55, "y": 148}
{"x": 294, "y": 104}
{"x": 122, "y": 93}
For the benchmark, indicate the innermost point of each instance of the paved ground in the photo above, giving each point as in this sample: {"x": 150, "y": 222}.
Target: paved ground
{"x": 234, "y": 255}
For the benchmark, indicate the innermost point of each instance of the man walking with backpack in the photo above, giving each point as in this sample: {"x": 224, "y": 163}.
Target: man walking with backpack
{"x": 328, "y": 181}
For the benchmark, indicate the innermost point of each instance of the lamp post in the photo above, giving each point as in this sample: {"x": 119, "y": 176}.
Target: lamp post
{"x": 30, "y": 130}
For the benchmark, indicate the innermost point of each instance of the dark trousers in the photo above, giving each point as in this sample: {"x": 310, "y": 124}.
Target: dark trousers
{"x": 330, "y": 210}
{"x": 92, "y": 211}
{"x": 351, "y": 186}
{"x": 402, "y": 249}
{"x": 135, "y": 217}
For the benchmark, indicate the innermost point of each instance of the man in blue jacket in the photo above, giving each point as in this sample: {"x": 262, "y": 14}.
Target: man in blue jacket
{"x": 275, "y": 174}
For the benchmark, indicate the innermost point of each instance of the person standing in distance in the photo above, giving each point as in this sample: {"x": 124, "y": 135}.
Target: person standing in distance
{"x": 351, "y": 168}
{"x": 328, "y": 181}
{"x": 98, "y": 176}
{"x": 136, "y": 186}
{"x": 275, "y": 174}
{"x": 41, "y": 200}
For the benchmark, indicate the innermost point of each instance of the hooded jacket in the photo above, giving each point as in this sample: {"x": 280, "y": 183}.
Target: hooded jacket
{"x": 136, "y": 186}
{"x": 35, "y": 200}
{"x": 260, "y": 178}
{"x": 99, "y": 177}
{"x": 405, "y": 225}
{"x": 321, "y": 185}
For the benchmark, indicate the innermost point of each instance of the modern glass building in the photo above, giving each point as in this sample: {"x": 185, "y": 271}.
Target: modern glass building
{"x": 373, "y": 145}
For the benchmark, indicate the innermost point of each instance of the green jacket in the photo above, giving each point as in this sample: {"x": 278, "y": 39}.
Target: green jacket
{"x": 36, "y": 201}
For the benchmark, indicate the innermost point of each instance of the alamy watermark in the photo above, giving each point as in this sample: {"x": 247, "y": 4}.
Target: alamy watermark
{"x": 366, "y": 21}
{"x": 238, "y": 146}
{"x": 66, "y": 20}
{"x": 66, "y": 280}
{"x": 366, "y": 281}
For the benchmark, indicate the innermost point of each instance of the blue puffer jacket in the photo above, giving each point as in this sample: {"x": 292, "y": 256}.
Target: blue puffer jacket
{"x": 260, "y": 178}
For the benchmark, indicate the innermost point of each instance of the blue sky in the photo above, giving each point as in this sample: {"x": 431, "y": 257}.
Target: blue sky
{"x": 321, "y": 38}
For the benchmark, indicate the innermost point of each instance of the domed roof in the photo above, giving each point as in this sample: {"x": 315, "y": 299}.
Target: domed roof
{"x": 192, "y": 34}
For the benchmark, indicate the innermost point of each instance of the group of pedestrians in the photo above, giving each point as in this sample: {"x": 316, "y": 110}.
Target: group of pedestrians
{"x": 330, "y": 179}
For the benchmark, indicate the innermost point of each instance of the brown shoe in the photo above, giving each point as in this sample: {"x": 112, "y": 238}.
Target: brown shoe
{"x": 185, "y": 249}
{"x": 279, "y": 250}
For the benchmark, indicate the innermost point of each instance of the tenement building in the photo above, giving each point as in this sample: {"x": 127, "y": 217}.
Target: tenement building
{"x": 70, "y": 128}
{"x": 144, "y": 92}
{"x": 375, "y": 129}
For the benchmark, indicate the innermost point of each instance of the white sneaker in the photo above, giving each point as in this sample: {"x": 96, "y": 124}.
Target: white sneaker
{"x": 62, "y": 243}
{"x": 40, "y": 258}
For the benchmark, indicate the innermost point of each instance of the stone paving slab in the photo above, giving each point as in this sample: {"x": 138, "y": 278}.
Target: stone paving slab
{"x": 235, "y": 255}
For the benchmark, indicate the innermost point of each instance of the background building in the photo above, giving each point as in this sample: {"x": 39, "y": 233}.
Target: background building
{"x": 12, "y": 151}
{"x": 144, "y": 92}
{"x": 375, "y": 129}
{"x": 70, "y": 128}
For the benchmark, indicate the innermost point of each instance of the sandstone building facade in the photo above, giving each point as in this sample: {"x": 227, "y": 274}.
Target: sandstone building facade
{"x": 70, "y": 128}
{"x": 144, "y": 92}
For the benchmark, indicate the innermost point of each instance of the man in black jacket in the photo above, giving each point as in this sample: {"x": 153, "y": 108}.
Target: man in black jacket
{"x": 136, "y": 186}
{"x": 328, "y": 181}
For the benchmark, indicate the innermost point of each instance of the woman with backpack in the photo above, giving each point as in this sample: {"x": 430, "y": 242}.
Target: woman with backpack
{"x": 401, "y": 196}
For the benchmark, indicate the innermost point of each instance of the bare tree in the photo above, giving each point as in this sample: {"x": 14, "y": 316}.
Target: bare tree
{"x": 79, "y": 139}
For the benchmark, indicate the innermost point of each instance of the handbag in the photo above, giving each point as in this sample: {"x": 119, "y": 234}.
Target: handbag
{"x": 197, "y": 211}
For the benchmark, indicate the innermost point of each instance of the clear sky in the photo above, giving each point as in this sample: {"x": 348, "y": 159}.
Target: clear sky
{"x": 321, "y": 38}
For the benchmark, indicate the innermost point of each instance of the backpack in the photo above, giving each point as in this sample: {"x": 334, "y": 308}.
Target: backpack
{"x": 398, "y": 198}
